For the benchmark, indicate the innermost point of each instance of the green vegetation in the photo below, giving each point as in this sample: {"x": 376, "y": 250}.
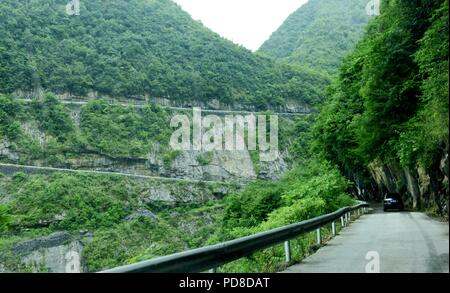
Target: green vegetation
{"x": 427, "y": 131}
{"x": 4, "y": 218}
{"x": 123, "y": 132}
{"x": 394, "y": 87}
{"x": 313, "y": 187}
{"x": 319, "y": 34}
{"x": 136, "y": 48}
{"x": 100, "y": 203}
{"x": 311, "y": 190}
{"x": 84, "y": 200}
{"x": 390, "y": 101}
{"x": 9, "y": 110}
{"x": 389, "y": 104}
{"x": 123, "y": 243}
{"x": 204, "y": 159}
{"x": 169, "y": 157}
{"x": 53, "y": 118}
{"x": 39, "y": 205}
{"x": 49, "y": 133}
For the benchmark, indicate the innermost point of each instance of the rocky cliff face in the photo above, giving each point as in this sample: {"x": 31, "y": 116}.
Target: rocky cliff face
{"x": 186, "y": 180}
{"x": 287, "y": 107}
{"x": 214, "y": 104}
{"x": 190, "y": 165}
{"x": 223, "y": 166}
{"x": 7, "y": 152}
{"x": 154, "y": 191}
{"x": 59, "y": 252}
{"x": 214, "y": 166}
{"x": 420, "y": 188}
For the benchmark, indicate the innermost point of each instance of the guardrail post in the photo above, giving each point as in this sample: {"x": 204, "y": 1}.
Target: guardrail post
{"x": 319, "y": 240}
{"x": 200, "y": 260}
{"x": 287, "y": 251}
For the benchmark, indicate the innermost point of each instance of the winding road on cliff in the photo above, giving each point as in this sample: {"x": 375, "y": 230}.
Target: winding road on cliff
{"x": 12, "y": 168}
{"x": 385, "y": 242}
{"x": 183, "y": 109}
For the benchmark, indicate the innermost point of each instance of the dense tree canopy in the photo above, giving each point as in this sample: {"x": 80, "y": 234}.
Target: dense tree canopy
{"x": 319, "y": 34}
{"x": 107, "y": 129}
{"x": 135, "y": 48}
{"x": 390, "y": 101}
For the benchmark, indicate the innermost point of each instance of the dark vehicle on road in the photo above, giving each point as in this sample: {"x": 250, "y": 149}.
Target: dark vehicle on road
{"x": 393, "y": 202}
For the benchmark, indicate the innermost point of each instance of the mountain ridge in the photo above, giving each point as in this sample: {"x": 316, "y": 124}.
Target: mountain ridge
{"x": 136, "y": 48}
{"x": 319, "y": 34}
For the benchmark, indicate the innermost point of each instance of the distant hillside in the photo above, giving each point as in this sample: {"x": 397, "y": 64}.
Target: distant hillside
{"x": 319, "y": 34}
{"x": 134, "y": 48}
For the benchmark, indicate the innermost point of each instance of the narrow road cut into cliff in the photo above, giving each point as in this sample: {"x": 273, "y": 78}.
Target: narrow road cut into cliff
{"x": 385, "y": 242}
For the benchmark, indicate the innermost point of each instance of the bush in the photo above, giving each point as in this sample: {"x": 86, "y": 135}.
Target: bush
{"x": 310, "y": 190}
{"x": 52, "y": 117}
{"x": 5, "y": 218}
{"x": 252, "y": 206}
{"x": 9, "y": 111}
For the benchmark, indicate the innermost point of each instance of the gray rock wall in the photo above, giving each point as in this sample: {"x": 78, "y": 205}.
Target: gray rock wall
{"x": 223, "y": 166}
{"x": 288, "y": 107}
{"x": 420, "y": 188}
{"x": 59, "y": 252}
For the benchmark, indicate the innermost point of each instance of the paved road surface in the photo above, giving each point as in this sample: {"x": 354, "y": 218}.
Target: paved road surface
{"x": 406, "y": 242}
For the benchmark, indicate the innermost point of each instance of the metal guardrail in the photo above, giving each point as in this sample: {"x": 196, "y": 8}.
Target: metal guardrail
{"x": 211, "y": 257}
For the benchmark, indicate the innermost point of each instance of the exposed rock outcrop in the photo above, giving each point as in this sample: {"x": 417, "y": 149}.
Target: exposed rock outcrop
{"x": 287, "y": 107}
{"x": 420, "y": 188}
{"x": 34, "y": 133}
{"x": 222, "y": 166}
{"x": 6, "y": 151}
{"x": 59, "y": 252}
{"x": 141, "y": 213}
{"x": 292, "y": 106}
{"x": 155, "y": 190}
{"x": 273, "y": 170}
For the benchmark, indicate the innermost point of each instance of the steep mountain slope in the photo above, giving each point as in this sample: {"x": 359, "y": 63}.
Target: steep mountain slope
{"x": 387, "y": 115}
{"x": 136, "y": 48}
{"x": 319, "y": 34}
{"x": 99, "y": 136}
{"x": 125, "y": 49}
